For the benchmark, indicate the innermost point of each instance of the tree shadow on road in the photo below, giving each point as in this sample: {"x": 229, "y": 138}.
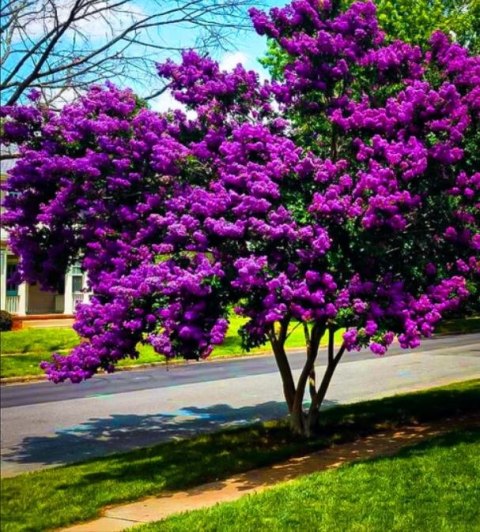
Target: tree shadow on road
{"x": 121, "y": 432}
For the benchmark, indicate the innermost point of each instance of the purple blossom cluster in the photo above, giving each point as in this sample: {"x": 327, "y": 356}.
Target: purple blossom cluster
{"x": 372, "y": 225}
{"x": 174, "y": 309}
{"x": 325, "y": 48}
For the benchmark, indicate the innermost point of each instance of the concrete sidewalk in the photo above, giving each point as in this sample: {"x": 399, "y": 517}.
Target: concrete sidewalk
{"x": 384, "y": 443}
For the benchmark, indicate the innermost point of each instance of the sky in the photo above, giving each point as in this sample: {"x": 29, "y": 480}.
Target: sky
{"x": 245, "y": 47}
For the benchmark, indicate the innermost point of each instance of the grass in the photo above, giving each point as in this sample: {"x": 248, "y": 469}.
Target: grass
{"x": 57, "y": 497}
{"x": 463, "y": 326}
{"x": 431, "y": 486}
{"x": 22, "y": 351}
{"x": 38, "y": 340}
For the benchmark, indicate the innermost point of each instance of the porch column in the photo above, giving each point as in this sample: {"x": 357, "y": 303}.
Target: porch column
{"x": 3, "y": 279}
{"x": 22, "y": 299}
{"x": 87, "y": 294}
{"x": 68, "y": 297}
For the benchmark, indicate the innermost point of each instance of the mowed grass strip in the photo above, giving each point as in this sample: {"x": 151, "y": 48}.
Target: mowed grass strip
{"x": 44, "y": 340}
{"x": 431, "y": 486}
{"x": 57, "y": 497}
{"x": 460, "y": 326}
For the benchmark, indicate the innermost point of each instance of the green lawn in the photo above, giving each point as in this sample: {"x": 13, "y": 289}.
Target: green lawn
{"x": 60, "y": 496}
{"x": 434, "y": 486}
{"x": 38, "y": 340}
{"x": 463, "y": 326}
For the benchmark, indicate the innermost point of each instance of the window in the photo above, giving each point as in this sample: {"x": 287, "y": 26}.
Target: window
{"x": 12, "y": 284}
{"x": 77, "y": 283}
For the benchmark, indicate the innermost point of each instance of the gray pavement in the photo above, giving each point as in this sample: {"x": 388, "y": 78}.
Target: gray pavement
{"x": 108, "y": 419}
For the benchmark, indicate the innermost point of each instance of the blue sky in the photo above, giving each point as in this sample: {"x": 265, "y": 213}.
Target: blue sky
{"x": 245, "y": 47}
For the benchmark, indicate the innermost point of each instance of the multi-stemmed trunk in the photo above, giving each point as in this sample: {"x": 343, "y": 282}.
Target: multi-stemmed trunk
{"x": 305, "y": 422}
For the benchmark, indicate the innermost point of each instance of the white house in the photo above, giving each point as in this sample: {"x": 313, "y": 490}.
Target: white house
{"x": 27, "y": 299}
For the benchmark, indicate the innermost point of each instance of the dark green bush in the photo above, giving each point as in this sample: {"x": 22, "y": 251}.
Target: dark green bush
{"x": 6, "y": 321}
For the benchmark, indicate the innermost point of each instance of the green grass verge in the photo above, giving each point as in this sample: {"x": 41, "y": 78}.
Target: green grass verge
{"x": 24, "y": 365}
{"x": 57, "y": 497}
{"x": 45, "y": 340}
{"x": 22, "y": 351}
{"x": 431, "y": 486}
{"x": 463, "y": 326}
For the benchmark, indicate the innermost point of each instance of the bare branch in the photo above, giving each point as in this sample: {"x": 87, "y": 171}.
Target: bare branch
{"x": 50, "y": 42}
{"x": 8, "y": 156}
{"x": 157, "y": 93}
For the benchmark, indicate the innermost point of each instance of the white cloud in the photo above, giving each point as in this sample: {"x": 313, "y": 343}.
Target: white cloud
{"x": 166, "y": 102}
{"x": 93, "y": 26}
{"x": 231, "y": 59}
{"x": 60, "y": 97}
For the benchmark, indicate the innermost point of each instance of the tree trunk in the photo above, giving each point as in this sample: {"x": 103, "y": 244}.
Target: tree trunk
{"x": 297, "y": 420}
{"x": 312, "y": 351}
{"x": 302, "y": 423}
{"x": 278, "y": 347}
{"x": 333, "y": 360}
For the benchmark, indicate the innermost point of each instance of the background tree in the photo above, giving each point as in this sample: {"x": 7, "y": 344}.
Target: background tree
{"x": 415, "y": 21}
{"x": 60, "y": 47}
{"x": 367, "y": 221}
{"x": 412, "y": 21}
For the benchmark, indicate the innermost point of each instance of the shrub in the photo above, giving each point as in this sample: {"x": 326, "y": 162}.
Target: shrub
{"x": 6, "y": 321}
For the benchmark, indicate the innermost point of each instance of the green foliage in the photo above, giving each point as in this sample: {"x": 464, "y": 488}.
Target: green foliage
{"x": 275, "y": 60}
{"x": 412, "y": 21}
{"x": 6, "y": 321}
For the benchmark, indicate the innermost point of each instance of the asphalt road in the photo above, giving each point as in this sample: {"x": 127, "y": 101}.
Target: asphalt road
{"x": 187, "y": 373}
{"x": 45, "y": 425}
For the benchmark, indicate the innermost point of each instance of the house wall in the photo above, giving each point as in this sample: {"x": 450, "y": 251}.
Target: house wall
{"x": 29, "y": 299}
{"x": 41, "y": 302}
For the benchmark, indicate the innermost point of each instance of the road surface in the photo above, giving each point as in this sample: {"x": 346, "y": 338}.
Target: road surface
{"x": 44, "y": 425}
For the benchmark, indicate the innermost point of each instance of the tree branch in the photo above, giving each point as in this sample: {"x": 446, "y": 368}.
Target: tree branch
{"x": 64, "y": 52}
{"x": 282, "y": 363}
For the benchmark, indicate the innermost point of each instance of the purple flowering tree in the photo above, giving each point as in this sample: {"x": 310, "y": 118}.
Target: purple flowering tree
{"x": 344, "y": 197}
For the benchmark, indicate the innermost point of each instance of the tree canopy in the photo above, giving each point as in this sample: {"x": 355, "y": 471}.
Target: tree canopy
{"x": 368, "y": 219}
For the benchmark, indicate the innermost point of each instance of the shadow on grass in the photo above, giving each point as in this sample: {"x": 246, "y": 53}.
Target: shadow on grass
{"x": 119, "y": 432}
{"x": 290, "y": 470}
{"x": 460, "y": 326}
{"x": 428, "y": 486}
{"x": 418, "y": 407}
{"x": 470, "y": 434}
